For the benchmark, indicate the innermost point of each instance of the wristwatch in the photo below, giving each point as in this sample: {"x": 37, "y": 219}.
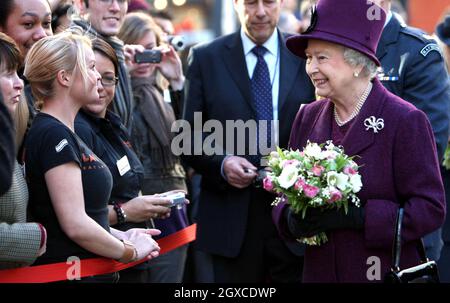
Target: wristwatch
{"x": 129, "y": 254}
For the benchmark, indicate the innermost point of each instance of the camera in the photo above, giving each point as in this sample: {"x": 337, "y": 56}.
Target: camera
{"x": 148, "y": 56}
{"x": 259, "y": 179}
{"x": 261, "y": 174}
{"x": 177, "y": 42}
{"x": 178, "y": 199}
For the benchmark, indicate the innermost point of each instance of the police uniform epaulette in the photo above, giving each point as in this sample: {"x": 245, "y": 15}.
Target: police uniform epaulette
{"x": 427, "y": 43}
{"x": 416, "y": 33}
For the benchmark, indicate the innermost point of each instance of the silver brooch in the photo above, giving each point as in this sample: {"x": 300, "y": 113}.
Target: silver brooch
{"x": 374, "y": 123}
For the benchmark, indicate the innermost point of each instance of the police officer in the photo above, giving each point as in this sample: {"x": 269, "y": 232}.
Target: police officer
{"x": 414, "y": 69}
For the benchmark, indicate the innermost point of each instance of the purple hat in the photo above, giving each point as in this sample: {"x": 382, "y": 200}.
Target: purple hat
{"x": 138, "y": 5}
{"x": 351, "y": 23}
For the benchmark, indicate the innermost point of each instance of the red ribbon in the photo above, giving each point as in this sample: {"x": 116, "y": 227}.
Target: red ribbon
{"x": 90, "y": 267}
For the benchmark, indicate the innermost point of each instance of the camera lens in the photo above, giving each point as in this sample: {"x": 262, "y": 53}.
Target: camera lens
{"x": 177, "y": 42}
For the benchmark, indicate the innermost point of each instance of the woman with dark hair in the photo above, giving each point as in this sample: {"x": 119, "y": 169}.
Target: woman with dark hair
{"x": 105, "y": 134}
{"x": 20, "y": 242}
{"x": 151, "y": 133}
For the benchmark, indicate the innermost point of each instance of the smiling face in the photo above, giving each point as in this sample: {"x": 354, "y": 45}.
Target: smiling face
{"x": 106, "y": 92}
{"x": 331, "y": 75}
{"x": 28, "y": 22}
{"x": 106, "y": 16}
{"x": 258, "y": 18}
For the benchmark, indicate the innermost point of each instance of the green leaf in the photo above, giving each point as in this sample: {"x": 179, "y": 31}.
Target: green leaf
{"x": 446, "y": 162}
{"x": 304, "y": 212}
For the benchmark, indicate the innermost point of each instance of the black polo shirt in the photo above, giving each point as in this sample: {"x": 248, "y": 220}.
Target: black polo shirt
{"x": 109, "y": 140}
{"x": 50, "y": 144}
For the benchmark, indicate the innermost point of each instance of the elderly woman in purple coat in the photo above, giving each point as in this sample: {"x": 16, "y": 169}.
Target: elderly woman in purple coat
{"x": 392, "y": 139}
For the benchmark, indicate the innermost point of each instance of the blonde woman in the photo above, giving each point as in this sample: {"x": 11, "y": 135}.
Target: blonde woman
{"x": 20, "y": 242}
{"x": 69, "y": 185}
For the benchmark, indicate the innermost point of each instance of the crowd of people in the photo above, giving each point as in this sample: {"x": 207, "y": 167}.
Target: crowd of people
{"x": 87, "y": 164}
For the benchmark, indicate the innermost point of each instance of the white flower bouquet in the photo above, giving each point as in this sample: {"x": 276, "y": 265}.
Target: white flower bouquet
{"x": 320, "y": 176}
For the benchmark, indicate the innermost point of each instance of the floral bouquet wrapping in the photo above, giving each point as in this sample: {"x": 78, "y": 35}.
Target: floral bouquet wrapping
{"x": 320, "y": 176}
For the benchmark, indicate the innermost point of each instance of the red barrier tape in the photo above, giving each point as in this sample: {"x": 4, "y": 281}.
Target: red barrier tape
{"x": 90, "y": 267}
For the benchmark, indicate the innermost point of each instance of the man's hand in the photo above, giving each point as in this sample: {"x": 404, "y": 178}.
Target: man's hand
{"x": 239, "y": 172}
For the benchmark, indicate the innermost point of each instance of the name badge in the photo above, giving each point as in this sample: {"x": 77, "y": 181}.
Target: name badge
{"x": 123, "y": 166}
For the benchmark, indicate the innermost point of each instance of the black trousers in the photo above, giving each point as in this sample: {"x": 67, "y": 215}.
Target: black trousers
{"x": 263, "y": 257}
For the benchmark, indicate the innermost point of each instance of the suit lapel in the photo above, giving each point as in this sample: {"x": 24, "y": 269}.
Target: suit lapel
{"x": 358, "y": 138}
{"x": 389, "y": 36}
{"x": 233, "y": 56}
{"x": 289, "y": 66}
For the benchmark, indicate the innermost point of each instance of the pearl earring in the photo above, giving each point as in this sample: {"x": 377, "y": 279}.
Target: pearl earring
{"x": 356, "y": 74}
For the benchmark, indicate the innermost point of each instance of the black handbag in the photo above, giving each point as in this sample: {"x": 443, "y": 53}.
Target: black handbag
{"x": 425, "y": 272}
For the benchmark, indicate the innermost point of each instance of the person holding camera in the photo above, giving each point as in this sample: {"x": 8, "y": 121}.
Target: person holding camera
{"x": 106, "y": 136}
{"x": 151, "y": 131}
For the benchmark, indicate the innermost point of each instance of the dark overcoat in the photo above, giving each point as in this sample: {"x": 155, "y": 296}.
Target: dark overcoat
{"x": 218, "y": 87}
{"x": 398, "y": 166}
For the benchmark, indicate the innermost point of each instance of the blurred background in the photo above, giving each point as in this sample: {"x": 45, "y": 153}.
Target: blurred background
{"x": 203, "y": 20}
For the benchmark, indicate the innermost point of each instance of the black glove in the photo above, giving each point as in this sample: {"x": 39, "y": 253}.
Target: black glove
{"x": 317, "y": 220}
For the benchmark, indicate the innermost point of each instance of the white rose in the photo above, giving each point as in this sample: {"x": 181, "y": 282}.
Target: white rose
{"x": 329, "y": 154}
{"x": 288, "y": 176}
{"x": 330, "y": 145}
{"x": 355, "y": 182}
{"x": 274, "y": 162}
{"x": 341, "y": 181}
{"x": 332, "y": 178}
{"x": 313, "y": 150}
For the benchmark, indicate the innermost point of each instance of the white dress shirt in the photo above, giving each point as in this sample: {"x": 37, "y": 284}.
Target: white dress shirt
{"x": 272, "y": 58}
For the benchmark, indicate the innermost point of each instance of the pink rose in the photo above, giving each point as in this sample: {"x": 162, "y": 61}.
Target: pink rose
{"x": 299, "y": 184}
{"x": 310, "y": 190}
{"x": 268, "y": 184}
{"x": 318, "y": 170}
{"x": 349, "y": 170}
{"x": 290, "y": 162}
{"x": 335, "y": 195}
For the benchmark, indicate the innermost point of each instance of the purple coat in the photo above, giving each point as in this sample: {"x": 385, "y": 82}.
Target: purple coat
{"x": 398, "y": 165}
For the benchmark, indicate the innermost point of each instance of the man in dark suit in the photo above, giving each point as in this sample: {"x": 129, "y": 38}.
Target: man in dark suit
{"x": 414, "y": 69}
{"x": 229, "y": 79}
